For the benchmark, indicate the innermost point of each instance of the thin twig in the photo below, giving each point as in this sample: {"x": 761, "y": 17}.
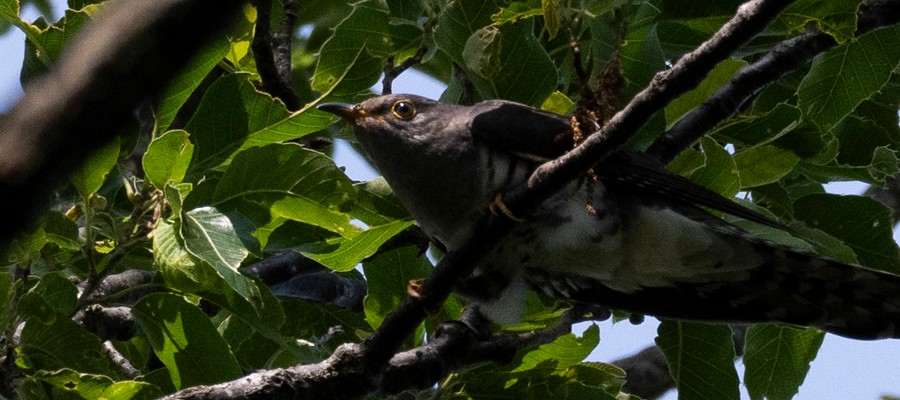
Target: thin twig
{"x": 391, "y": 72}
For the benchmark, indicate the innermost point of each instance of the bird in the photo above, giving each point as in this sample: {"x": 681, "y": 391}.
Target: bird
{"x": 648, "y": 246}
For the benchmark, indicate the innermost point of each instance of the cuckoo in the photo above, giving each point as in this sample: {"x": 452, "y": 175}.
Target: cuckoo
{"x": 648, "y": 245}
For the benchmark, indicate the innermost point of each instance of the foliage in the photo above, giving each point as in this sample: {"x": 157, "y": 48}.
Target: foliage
{"x": 226, "y": 185}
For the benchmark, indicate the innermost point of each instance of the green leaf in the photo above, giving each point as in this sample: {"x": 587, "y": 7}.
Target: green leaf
{"x": 700, "y": 358}
{"x": 760, "y": 128}
{"x": 526, "y": 74}
{"x": 642, "y": 57}
{"x": 92, "y": 174}
{"x": 567, "y": 350}
{"x": 7, "y": 300}
{"x": 836, "y": 18}
{"x": 777, "y": 359}
{"x": 884, "y": 163}
{"x": 376, "y": 203}
{"x": 59, "y": 292}
{"x": 558, "y": 103}
{"x": 45, "y": 44}
{"x": 167, "y": 158}
{"x": 89, "y": 386}
{"x": 285, "y": 169}
{"x": 186, "y": 81}
{"x": 366, "y": 29}
{"x": 720, "y": 172}
{"x": 860, "y": 222}
{"x": 516, "y": 11}
{"x": 185, "y": 341}
{"x": 842, "y": 78}
{"x": 177, "y": 266}
{"x": 388, "y": 276}
{"x": 233, "y": 116}
{"x": 210, "y": 236}
{"x": 690, "y": 100}
{"x": 41, "y": 348}
{"x": 482, "y": 52}
{"x": 351, "y": 251}
{"x": 551, "y": 16}
{"x": 763, "y": 165}
{"x": 34, "y": 307}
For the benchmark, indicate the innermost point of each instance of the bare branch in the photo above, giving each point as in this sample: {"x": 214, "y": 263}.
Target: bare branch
{"x": 274, "y": 64}
{"x": 391, "y": 72}
{"x": 748, "y": 81}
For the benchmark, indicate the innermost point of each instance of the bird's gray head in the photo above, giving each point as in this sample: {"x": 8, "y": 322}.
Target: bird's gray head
{"x": 398, "y": 116}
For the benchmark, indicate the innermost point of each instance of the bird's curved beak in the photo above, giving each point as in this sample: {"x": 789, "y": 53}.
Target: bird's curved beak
{"x": 343, "y": 110}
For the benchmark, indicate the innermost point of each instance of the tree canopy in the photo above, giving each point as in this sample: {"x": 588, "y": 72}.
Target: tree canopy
{"x": 178, "y": 221}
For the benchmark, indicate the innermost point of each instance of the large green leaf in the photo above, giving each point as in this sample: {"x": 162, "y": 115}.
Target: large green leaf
{"x": 763, "y": 165}
{"x": 701, "y": 359}
{"x": 567, "y": 350}
{"x": 211, "y": 236}
{"x": 64, "y": 344}
{"x": 185, "y": 341}
{"x": 861, "y": 222}
{"x": 46, "y": 43}
{"x": 720, "y": 171}
{"x": 233, "y": 116}
{"x": 777, "y": 359}
{"x": 525, "y": 72}
{"x": 351, "y": 251}
{"x": 836, "y": 18}
{"x": 167, "y": 158}
{"x": 90, "y": 386}
{"x": 845, "y": 76}
{"x": 188, "y": 79}
{"x": 368, "y": 30}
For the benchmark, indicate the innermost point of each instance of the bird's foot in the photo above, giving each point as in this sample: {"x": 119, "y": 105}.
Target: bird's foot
{"x": 412, "y": 289}
{"x": 497, "y": 204}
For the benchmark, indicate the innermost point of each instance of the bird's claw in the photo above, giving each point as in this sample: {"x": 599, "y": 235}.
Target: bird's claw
{"x": 498, "y": 204}
{"x": 412, "y": 289}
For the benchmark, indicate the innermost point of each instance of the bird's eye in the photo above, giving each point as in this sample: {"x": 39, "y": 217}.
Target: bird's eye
{"x": 404, "y": 109}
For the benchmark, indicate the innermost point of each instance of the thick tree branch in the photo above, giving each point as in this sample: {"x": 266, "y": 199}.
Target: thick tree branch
{"x": 274, "y": 62}
{"x": 748, "y": 81}
{"x": 751, "y": 18}
{"x": 126, "y": 56}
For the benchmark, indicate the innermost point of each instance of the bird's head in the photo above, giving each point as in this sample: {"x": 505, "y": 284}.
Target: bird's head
{"x": 401, "y": 116}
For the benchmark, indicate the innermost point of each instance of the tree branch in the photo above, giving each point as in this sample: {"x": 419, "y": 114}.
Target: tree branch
{"x": 391, "y": 72}
{"x": 127, "y": 55}
{"x": 748, "y": 81}
{"x": 274, "y": 64}
{"x": 751, "y": 18}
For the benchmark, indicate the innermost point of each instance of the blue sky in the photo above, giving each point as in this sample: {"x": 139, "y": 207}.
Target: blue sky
{"x": 844, "y": 369}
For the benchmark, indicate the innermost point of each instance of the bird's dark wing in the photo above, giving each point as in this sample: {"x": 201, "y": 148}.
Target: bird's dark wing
{"x": 540, "y": 135}
{"x": 526, "y": 131}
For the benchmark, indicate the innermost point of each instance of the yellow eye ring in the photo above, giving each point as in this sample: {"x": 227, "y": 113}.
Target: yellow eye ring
{"x": 403, "y": 109}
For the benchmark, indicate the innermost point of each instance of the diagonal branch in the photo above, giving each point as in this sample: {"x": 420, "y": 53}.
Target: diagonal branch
{"x": 751, "y": 18}
{"x": 747, "y": 82}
